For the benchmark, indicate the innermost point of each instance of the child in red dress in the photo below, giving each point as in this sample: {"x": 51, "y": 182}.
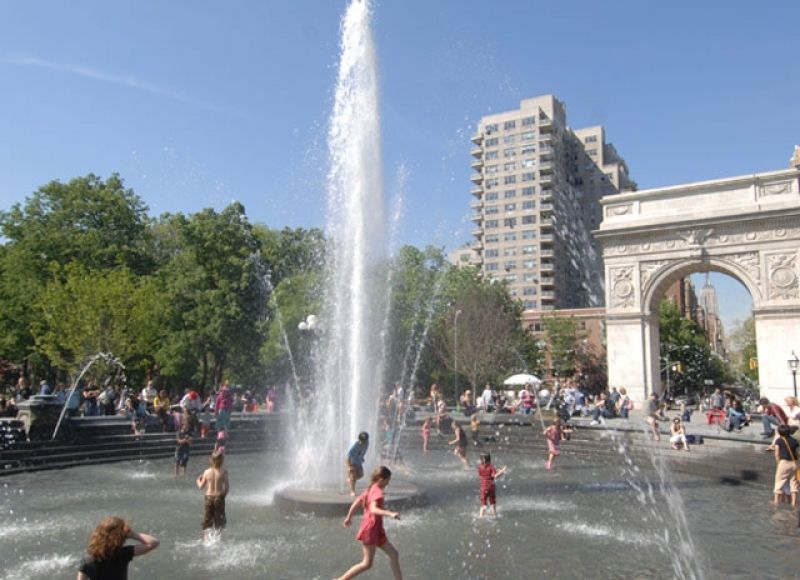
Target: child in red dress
{"x": 554, "y": 434}
{"x": 371, "y": 532}
{"x": 488, "y": 475}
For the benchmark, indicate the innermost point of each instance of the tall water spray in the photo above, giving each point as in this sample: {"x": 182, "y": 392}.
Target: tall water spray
{"x": 349, "y": 365}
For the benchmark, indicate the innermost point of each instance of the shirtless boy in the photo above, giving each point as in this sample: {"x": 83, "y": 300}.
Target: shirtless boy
{"x": 215, "y": 481}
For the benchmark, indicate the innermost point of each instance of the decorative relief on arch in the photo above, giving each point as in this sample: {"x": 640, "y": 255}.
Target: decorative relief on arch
{"x": 619, "y": 209}
{"x": 782, "y": 276}
{"x": 779, "y": 188}
{"x": 623, "y": 289}
{"x": 749, "y": 262}
{"x": 647, "y": 269}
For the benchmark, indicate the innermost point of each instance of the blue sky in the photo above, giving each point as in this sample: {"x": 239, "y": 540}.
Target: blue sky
{"x": 199, "y": 103}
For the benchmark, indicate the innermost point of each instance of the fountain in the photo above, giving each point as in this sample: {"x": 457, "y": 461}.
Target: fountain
{"x": 349, "y": 366}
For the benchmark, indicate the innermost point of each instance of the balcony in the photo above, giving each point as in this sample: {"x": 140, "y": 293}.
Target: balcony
{"x": 545, "y": 178}
{"x": 547, "y": 266}
{"x": 546, "y": 281}
{"x": 545, "y": 141}
{"x": 477, "y": 245}
{"x": 477, "y": 138}
{"x": 476, "y": 151}
{"x": 545, "y": 148}
{"x": 547, "y": 238}
{"x": 477, "y": 190}
{"x": 476, "y": 178}
{"x": 546, "y": 222}
{"x": 545, "y": 125}
{"x": 476, "y": 217}
{"x": 546, "y": 254}
{"x": 477, "y": 205}
{"x": 546, "y": 167}
{"x": 547, "y": 307}
{"x": 477, "y": 232}
{"x": 546, "y": 206}
{"x": 547, "y": 295}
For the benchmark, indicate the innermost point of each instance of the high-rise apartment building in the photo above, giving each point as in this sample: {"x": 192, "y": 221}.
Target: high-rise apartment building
{"x": 536, "y": 186}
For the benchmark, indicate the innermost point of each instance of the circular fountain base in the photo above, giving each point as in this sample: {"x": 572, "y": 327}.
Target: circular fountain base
{"x": 399, "y": 496}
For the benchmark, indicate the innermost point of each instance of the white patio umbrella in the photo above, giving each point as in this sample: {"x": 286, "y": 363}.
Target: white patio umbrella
{"x": 522, "y": 379}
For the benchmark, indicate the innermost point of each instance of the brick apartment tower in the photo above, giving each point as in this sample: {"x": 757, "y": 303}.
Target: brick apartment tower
{"x": 536, "y": 186}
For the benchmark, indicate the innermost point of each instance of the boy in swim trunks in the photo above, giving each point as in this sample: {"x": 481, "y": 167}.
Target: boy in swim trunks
{"x": 215, "y": 481}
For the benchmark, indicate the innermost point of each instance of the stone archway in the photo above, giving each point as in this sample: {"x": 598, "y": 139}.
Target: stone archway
{"x": 747, "y": 227}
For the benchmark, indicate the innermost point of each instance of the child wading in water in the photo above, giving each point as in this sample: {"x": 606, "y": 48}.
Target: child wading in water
{"x": 215, "y": 481}
{"x": 474, "y": 426}
{"x": 554, "y": 434}
{"x": 371, "y": 532}
{"x": 426, "y": 434}
{"x": 182, "y": 443}
{"x": 488, "y": 475}
{"x": 460, "y": 443}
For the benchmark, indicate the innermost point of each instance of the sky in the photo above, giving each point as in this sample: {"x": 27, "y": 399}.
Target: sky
{"x": 198, "y": 103}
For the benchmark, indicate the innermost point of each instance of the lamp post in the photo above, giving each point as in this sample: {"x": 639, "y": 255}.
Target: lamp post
{"x": 455, "y": 358}
{"x": 794, "y": 363}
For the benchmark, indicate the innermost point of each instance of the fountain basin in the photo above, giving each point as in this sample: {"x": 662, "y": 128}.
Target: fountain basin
{"x": 335, "y": 503}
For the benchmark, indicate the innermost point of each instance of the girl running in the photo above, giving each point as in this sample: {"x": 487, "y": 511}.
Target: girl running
{"x": 554, "y": 434}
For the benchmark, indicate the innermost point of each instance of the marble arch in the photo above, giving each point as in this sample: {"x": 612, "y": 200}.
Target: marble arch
{"x": 747, "y": 227}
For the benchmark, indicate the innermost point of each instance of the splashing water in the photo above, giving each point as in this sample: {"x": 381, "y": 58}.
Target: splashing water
{"x": 349, "y": 369}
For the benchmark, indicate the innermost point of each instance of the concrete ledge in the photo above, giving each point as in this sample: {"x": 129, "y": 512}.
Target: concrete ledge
{"x": 400, "y": 495}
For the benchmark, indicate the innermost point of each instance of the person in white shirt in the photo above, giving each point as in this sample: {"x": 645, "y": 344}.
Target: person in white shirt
{"x": 148, "y": 395}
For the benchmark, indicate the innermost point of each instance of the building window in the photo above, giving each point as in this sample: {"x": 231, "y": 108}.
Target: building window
{"x": 510, "y": 237}
{"x": 491, "y": 169}
{"x": 510, "y": 207}
{"x": 528, "y": 250}
{"x": 491, "y": 253}
{"x": 509, "y": 153}
{"x": 510, "y": 252}
{"x": 591, "y": 152}
{"x": 528, "y": 162}
{"x": 492, "y": 238}
{"x": 493, "y": 142}
{"x": 529, "y": 176}
{"x": 529, "y": 277}
{"x": 529, "y": 291}
{"x": 511, "y": 278}
{"x": 492, "y": 182}
{"x": 510, "y": 193}
{"x": 492, "y": 128}
{"x": 529, "y": 204}
{"x": 509, "y": 179}
{"x": 491, "y": 224}
{"x": 591, "y": 139}
{"x": 509, "y": 166}
{"x": 529, "y": 305}
{"x": 529, "y": 135}
{"x": 509, "y": 140}
{"x": 490, "y": 155}
{"x": 510, "y": 265}
{"x": 528, "y": 150}
{"x": 510, "y": 222}
{"x": 529, "y": 264}
{"x": 491, "y": 266}
{"x": 529, "y": 234}
{"x": 528, "y": 191}
{"x": 528, "y": 121}
{"x": 491, "y": 209}
{"x": 490, "y": 196}
{"x": 508, "y": 125}
{"x": 528, "y": 219}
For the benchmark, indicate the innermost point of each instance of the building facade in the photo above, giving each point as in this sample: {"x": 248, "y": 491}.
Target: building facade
{"x": 536, "y": 190}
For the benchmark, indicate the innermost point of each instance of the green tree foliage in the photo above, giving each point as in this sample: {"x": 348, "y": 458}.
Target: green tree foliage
{"x": 97, "y": 224}
{"x": 218, "y": 297}
{"x": 562, "y": 339}
{"x": 743, "y": 350}
{"x": 291, "y": 251}
{"x": 82, "y": 312}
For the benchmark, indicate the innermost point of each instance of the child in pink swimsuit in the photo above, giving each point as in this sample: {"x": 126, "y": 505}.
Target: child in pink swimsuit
{"x": 426, "y": 434}
{"x": 371, "y": 532}
{"x": 554, "y": 434}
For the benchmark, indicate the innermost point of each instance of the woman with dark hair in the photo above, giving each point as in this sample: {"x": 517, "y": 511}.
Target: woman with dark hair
{"x": 107, "y": 556}
{"x": 786, "y": 470}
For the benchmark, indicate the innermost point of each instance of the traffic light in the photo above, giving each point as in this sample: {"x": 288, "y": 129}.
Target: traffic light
{"x": 753, "y": 363}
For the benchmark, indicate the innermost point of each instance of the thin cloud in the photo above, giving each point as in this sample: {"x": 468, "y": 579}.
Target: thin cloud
{"x": 128, "y": 81}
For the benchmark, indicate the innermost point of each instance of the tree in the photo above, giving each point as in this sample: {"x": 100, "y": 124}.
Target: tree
{"x": 562, "y": 337}
{"x": 744, "y": 354}
{"x": 218, "y": 296}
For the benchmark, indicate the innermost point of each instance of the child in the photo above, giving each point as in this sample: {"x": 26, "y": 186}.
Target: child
{"x": 460, "y": 443}
{"x": 182, "y": 448}
{"x": 554, "y": 434}
{"x": 205, "y": 421}
{"x": 426, "y": 434}
{"x": 355, "y": 460}
{"x": 371, "y": 532}
{"x": 488, "y": 475}
{"x": 219, "y": 446}
{"x": 474, "y": 426}
{"x": 215, "y": 481}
